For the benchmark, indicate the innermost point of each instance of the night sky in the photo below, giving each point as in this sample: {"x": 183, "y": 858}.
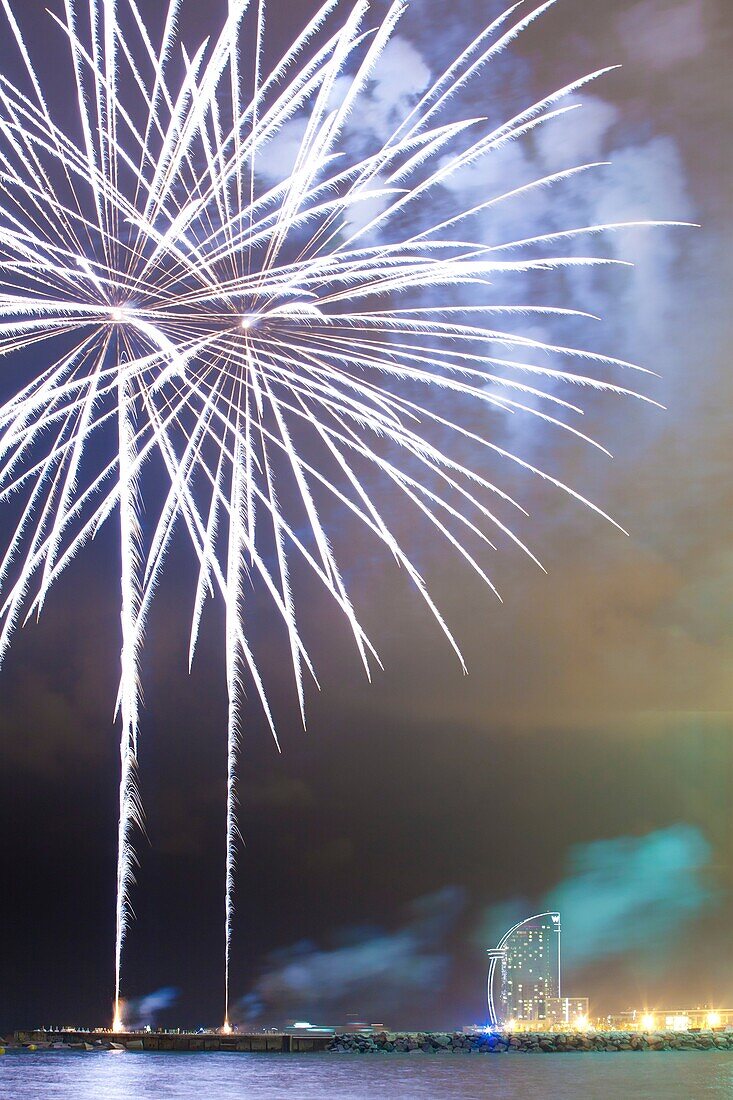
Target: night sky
{"x": 585, "y": 762}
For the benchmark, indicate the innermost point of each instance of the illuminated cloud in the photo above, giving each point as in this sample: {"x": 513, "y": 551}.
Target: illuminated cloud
{"x": 144, "y": 1011}
{"x": 632, "y": 893}
{"x": 627, "y": 895}
{"x": 662, "y": 33}
{"x": 368, "y": 970}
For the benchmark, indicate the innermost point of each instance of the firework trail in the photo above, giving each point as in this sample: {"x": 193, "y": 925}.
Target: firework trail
{"x": 265, "y": 346}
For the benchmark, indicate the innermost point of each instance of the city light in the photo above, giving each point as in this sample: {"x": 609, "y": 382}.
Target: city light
{"x": 582, "y": 1023}
{"x": 533, "y": 944}
{"x": 713, "y": 1019}
{"x": 647, "y": 1022}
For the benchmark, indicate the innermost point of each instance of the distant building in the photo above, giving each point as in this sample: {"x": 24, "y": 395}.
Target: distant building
{"x": 568, "y": 1012}
{"x": 527, "y": 959}
{"x": 705, "y": 1017}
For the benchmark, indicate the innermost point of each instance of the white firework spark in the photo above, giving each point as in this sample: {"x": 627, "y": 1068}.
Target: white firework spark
{"x": 263, "y": 344}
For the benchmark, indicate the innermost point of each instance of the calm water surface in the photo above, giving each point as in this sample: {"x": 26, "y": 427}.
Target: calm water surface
{"x": 123, "y": 1075}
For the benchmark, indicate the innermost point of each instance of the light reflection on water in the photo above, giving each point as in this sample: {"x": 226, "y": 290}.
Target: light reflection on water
{"x": 121, "y": 1075}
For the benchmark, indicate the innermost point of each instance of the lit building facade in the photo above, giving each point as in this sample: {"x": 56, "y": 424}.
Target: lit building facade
{"x": 570, "y": 1012}
{"x": 705, "y": 1017}
{"x": 524, "y": 972}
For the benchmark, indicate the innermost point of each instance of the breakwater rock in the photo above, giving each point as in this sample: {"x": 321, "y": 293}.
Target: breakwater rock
{"x": 438, "y": 1042}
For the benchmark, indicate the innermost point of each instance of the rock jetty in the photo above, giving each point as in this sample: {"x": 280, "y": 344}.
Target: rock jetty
{"x": 438, "y": 1042}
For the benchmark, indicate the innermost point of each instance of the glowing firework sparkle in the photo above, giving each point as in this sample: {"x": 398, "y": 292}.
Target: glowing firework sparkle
{"x": 269, "y": 346}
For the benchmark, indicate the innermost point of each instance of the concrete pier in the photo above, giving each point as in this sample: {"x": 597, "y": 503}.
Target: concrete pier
{"x": 258, "y": 1042}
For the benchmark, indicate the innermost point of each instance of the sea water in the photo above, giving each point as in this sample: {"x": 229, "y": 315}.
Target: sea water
{"x": 125, "y": 1075}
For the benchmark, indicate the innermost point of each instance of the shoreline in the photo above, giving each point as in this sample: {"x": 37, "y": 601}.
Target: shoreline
{"x": 385, "y": 1042}
{"x": 530, "y": 1042}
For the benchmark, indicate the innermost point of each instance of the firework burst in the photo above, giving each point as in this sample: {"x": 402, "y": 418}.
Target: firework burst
{"x": 271, "y": 346}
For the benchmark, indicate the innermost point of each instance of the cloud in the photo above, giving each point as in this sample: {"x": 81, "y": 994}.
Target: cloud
{"x": 624, "y": 895}
{"x": 144, "y": 1011}
{"x": 399, "y": 77}
{"x": 662, "y": 33}
{"x": 643, "y": 180}
{"x": 370, "y": 970}
{"x": 277, "y": 158}
{"x": 579, "y": 136}
{"x": 632, "y": 893}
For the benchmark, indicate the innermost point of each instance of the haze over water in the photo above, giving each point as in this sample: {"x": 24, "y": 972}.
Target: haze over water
{"x": 125, "y": 1076}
